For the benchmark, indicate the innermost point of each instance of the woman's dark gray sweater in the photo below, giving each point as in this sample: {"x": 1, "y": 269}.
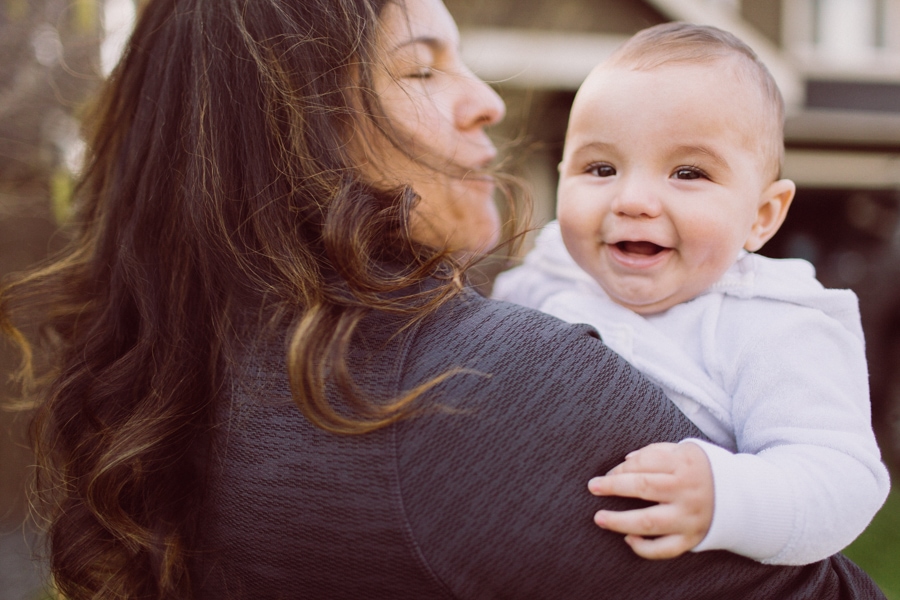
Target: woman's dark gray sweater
{"x": 485, "y": 498}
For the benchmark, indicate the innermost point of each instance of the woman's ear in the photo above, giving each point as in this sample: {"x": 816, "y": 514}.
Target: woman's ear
{"x": 773, "y": 207}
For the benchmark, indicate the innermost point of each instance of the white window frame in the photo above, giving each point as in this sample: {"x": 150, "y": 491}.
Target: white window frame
{"x": 876, "y": 63}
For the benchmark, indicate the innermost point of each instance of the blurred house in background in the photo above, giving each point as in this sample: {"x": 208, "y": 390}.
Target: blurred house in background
{"x": 838, "y": 65}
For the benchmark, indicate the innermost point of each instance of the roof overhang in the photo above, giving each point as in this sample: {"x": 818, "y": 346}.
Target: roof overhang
{"x": 789, "y": 79}
{"x": 844, "y": 129}
{"x": 535, "y": 59}
{"x": 557, "y": 60}
{"x": 842, "y": 169}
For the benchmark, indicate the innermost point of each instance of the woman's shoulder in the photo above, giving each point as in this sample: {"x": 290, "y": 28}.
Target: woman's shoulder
{"x": 522, "y": 368}
{"x": 493, "y": 476}
{"x": 482, "y": 324}
{"x": 504, "y": 350}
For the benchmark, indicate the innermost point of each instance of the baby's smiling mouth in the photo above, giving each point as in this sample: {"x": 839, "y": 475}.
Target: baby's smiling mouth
{"x": 641, "y": 248}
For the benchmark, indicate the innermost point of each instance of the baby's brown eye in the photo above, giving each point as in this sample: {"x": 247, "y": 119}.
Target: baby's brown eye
{"x": 602, "y": 170}
{"x": 688, "y": 173}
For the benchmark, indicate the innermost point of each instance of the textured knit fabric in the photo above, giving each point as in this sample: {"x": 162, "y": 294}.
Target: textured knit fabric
{"x": 482, "y": 496}
{"x": 766, "y": 362}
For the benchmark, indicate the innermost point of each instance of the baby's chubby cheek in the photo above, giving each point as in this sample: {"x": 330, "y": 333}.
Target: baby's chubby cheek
{"x": 579, "y": 235}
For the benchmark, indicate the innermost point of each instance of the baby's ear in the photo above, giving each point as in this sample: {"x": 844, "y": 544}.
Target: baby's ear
{"x": 773, "y": 207}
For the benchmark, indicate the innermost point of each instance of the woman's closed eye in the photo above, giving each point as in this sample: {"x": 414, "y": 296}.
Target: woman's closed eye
{"x": 601, "y": 170}
{"x": 689, "y": 172}
{"x": 422, "y": 72}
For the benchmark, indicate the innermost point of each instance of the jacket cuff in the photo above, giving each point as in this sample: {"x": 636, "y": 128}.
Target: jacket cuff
{"x": 754, "y": 512}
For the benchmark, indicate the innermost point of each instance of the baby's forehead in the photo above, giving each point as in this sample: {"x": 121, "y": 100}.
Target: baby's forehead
{"x": 733, "y": 68}
{"x": 679, "y": 85}
{"x": 746, "y": 109}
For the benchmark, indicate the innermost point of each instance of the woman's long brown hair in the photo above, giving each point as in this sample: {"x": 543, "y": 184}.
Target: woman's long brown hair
{"x": 218, "y": 187}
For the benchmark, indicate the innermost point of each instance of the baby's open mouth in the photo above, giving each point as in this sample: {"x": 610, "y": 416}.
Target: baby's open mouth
{"x": 642, "y": 248}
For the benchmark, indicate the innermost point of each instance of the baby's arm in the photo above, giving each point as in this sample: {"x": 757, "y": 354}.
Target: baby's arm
{"x": 807, "y": 477}
{"x": 679, "y": 479}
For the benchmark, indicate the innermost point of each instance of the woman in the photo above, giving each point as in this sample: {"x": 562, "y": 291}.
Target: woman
{"x": 266, "y": 377}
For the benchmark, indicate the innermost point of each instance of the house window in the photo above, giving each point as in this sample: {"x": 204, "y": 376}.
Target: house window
{"x": 845, "y": 27}
{"x": 830, "y": 36}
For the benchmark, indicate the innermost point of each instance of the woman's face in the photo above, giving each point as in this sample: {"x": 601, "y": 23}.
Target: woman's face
{"x": 438, "y": 110}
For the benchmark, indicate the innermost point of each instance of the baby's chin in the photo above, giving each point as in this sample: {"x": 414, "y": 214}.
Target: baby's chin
{"x": 648, "y": 309}
{"x": 644, "y": 305}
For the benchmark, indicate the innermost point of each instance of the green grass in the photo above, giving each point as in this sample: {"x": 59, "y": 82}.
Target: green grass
{"x": 877, "y": 550}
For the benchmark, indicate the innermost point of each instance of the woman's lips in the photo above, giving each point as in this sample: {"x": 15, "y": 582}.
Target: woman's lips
{"x": 638, "y": 254}
{"x": 483, "y": 183}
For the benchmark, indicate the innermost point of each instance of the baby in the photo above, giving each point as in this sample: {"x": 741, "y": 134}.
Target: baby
{"x": 670, "y": 180}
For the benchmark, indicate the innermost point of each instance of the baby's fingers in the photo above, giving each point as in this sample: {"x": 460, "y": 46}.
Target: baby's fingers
{"x": 655, "y": 458}
{"x": 668, "y": 546}
{"x": 655, "y": 487}
{"x": 658, "y": 520}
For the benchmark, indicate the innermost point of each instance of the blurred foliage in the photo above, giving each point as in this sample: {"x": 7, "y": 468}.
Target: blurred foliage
{"x": 48, "y": 67}
{"x": 62, "y": 185}
{"x": 85, "y": 14}
{"x": 16, "y": 9}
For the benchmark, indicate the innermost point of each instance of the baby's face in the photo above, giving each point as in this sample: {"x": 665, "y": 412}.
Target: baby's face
{"x": 661, "y": 180}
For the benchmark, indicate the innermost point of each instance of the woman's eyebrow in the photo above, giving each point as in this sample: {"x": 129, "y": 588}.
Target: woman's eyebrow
{"x": 435, "y": 44}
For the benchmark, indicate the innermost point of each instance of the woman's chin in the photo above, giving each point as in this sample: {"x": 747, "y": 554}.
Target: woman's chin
{"x": 480, "y": 230}
{"x": 471, "y": 226}
{"x": 481, "y": 236}
{"x": 465, "y": 242}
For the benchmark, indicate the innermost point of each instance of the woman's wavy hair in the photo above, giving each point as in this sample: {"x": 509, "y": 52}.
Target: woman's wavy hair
{"x": 219, "y": 199}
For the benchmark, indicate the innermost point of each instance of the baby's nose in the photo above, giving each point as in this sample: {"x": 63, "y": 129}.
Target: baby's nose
{"x": 636, "y": 200}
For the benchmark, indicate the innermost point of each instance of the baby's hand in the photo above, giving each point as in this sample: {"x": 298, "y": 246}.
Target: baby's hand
{"x": 679, "y": 478}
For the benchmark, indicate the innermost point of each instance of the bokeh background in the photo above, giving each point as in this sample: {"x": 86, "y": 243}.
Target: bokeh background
{"x": 836, "y": 61}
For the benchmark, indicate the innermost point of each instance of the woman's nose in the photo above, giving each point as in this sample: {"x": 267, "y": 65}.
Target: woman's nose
{"x": 479, "y": 105}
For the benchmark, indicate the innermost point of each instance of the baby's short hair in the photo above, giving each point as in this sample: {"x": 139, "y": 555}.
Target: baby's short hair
{"x": 686, "y": 43}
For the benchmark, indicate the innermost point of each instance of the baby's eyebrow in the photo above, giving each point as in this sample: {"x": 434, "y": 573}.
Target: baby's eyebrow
{"x": 594, "y": 146}
{"x": 710, "y": 153}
